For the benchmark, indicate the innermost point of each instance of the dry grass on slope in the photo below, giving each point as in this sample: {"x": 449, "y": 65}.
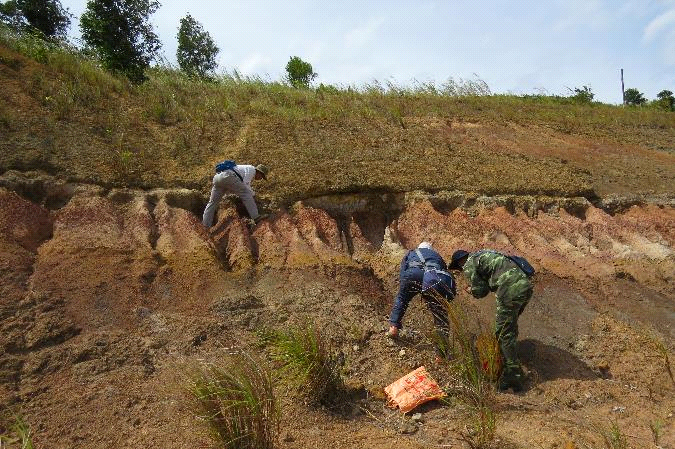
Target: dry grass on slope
{"x": 64, "y": 115}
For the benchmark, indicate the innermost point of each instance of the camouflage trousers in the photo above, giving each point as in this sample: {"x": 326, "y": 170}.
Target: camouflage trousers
{"x": 511, "y": 301}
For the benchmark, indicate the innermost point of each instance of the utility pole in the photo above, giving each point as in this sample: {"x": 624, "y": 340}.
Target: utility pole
{"x": 623, "y": 91}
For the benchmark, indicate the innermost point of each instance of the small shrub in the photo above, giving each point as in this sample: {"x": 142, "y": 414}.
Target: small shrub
{"x": 583, "y": 95}
{"x": 237, "y": 403}
{"x": 309, "y": 358}
{"x": 634, "y": 97}
{"x": 299, "y": 73}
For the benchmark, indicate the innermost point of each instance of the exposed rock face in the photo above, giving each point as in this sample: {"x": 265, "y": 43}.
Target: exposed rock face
{"x": 113, "y": 288}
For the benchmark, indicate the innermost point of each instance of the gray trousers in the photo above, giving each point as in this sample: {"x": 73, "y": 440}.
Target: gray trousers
{"x": 228, "y": 182}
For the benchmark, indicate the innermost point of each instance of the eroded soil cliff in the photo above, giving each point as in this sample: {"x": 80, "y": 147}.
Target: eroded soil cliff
{"x": 107, "y": 297}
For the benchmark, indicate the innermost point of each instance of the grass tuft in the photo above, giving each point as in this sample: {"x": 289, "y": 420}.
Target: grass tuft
{"x": 309, "y": 358}
{"x": 475, "y": 365}
{"x": 15, "y": 433}
{"x": 613, "y": 438}
{"x": 237, "y": 403}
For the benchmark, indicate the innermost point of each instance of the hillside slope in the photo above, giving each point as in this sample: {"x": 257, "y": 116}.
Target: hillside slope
{"x": 111, "y": 290}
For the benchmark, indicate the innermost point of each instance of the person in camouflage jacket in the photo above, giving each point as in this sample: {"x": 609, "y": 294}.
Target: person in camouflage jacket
{"x": 490, "y": 271}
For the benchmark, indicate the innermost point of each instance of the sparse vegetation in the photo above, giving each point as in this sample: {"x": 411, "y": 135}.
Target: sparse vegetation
{"x": 15, "y": 433}
{"x": 311, "y": 363}
{"x": 237, "y": 402}
{"x": 614, "y": 438}
{"x": 656, "y": 427}
{"x": 255, "y": 118}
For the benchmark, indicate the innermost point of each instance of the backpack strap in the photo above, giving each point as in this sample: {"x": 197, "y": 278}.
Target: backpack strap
{"x": 420, "y": 256}
{"x": 423, "y": 262}
{"x": 238, "y": 175}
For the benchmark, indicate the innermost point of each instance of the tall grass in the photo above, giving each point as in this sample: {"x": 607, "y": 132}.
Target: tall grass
{"x": 173, "y": 95}
{"x": 475, "y": 365}
{"x": 312, "y": 365}
{"x": 237, "y": 402}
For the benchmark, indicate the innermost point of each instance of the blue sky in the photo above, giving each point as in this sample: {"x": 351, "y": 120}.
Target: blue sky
{"x": 520, "y": 47}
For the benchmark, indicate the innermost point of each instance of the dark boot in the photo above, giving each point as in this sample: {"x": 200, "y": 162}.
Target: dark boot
{"x": 513, "y": 377}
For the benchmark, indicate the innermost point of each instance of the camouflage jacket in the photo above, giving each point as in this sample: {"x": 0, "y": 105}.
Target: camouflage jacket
{"x": 492, "y": 271}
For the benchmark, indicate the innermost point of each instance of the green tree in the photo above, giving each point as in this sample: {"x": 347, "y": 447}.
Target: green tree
{"x": 48, "y": 17}
{"x": 197, "y": 51}
{"x": 634, "y": 97}
{"x": 299, "y": 72}
{"x": 121, "y": 35}
{"x": 11, "y": 14}
{"x": 666, "y": 100}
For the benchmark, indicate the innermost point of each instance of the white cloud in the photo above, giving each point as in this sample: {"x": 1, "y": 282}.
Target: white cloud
{"x": 253, "y": 63}
{"x": 661, "y": 22}
{"x": 586, "y": 13}
{"x": 360, "y": 36}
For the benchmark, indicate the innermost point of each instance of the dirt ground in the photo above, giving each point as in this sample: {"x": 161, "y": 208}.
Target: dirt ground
{"x": 110, "y": 297}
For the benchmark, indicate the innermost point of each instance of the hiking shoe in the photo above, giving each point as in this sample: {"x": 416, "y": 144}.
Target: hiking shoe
{"x": 513, "y": 380}
{"x": 392, "y": 332}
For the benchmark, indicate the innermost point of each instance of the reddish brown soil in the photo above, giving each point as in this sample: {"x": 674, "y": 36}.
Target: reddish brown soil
{"x": 108, "y": 301}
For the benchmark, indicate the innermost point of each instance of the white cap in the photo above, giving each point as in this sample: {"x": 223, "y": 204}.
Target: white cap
{"x": 426, "y": 245}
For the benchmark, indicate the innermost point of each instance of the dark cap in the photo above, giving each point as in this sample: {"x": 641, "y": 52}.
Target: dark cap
{"x": 456, "y": 257}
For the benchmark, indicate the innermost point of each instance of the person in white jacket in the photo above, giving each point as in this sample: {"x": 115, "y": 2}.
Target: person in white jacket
{"x": 236, "y": 180}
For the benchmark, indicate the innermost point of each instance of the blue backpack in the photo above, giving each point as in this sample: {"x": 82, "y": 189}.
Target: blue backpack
{"x": 437, "y": 280}
{"x": 441, "y": 282}
{"x": 225, "y": 165}
{"x": 228, "y": 165}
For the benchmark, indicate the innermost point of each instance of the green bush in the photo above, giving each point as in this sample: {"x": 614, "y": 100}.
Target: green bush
{"x": 583, "y": 95}
{"x": 299, "y": 73}
{"x": 634, "y": 97}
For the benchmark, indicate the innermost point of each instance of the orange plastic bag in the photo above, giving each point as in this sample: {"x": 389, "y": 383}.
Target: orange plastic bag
{"x": 413, "y": 389}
